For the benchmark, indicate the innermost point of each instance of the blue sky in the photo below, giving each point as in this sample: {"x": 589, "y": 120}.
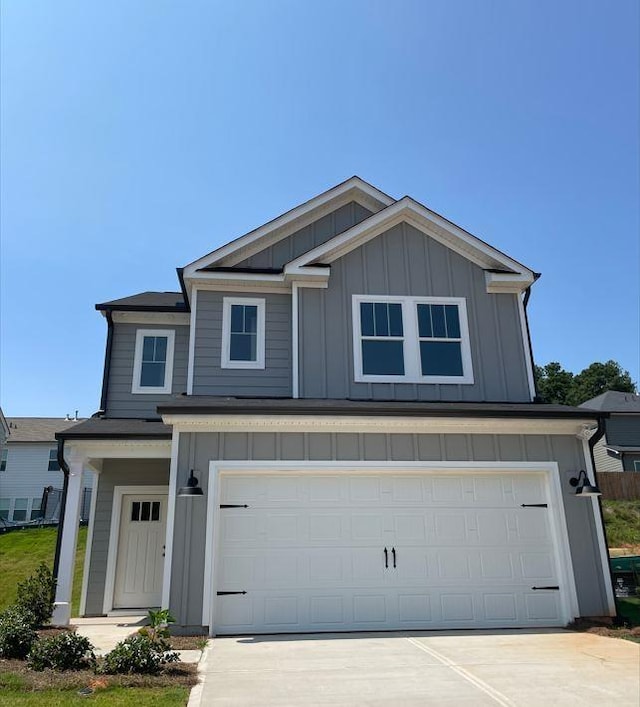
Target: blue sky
{"x": 136, "y": 136}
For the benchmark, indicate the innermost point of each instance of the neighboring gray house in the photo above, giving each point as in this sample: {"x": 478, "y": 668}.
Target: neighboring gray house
{"x": 619, "y": 449}
{"x": 28, "y": 464}
{"x": 351, "y": 388}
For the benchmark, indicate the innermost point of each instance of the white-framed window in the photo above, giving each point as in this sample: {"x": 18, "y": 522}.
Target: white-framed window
{"x": 5, "y": 504}
{"x": 36, "y": 504}
{"x": 636, "y": 464}
{"x": 243, "y": 332}
{"x": 20, "y": 509}
{"x": 153, "y": 361}
{"x": 4, "y": 453}
{"x": 411, "y": 339}
{"x": 53, "y": 460}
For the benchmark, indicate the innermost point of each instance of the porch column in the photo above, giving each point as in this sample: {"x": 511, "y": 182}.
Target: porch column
{"x": 62, "y": 606}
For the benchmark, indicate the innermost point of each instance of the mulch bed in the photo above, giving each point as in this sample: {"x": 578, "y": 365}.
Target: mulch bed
{"x": 188, "y": 643}
{"x": 629, "y": 633}
{"x": 176, "y": 674}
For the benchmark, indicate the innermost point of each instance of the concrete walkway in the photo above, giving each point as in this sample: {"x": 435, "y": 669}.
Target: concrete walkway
{"x": 105, "y": 631}
{"x": 479, "y": 669}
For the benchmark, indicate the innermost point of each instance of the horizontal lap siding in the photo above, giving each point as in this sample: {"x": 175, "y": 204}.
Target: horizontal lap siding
{"x": 197, "y": 450}
{"x": 211, "y": 379}
{"x": 309, "y": 237}
{"x": 604, "y": 460}
{"x": 404, "y": 261}
{"x": 121, "y": 402}
{"x": 115, "y": 472}
{"x": 624, "y": 430}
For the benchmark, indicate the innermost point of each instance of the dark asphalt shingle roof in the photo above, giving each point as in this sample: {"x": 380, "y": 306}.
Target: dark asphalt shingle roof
{"x": 116, "y": 427}
{"x": 614, "y": 401}
{"x": 163, "y": 301}
{"x": 37, "y": 429}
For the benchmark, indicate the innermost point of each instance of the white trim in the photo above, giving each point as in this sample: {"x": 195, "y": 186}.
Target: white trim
{"x": 225, "y": 358}
{"x": 136, "y": 388}
{"x": 506, "y": 282}
{"x": 411, "y": 339}
{"x": 171, "y": 519}
{"x": 252, "y": 242}
{"x": 114, "y": 535}
{"x": 87, "y": 553}
{"x": 295, "y": 334}
{"x": 120, "y": 449}
{"x": 564, "y": 563}
{"x": 174, "y": 318}
{"x": 526, "y": 349}
{"x": 597, "y": 519}
{"x": 434, "y": 225}
{"x": 389, "y": 424}
{"x": 192, "y": 340}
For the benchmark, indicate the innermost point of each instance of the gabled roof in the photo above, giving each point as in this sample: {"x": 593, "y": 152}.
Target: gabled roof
{"x": 353, "y": 189}
{"x": 37, "y": 429}
{"x": 614, "y": 401}
{"x": 146, "y": 301}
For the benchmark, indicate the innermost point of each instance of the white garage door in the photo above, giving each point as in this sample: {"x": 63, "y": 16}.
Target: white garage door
{"x": 366, "y": 551}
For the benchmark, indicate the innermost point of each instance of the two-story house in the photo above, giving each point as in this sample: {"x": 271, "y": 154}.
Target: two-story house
{"x": 330, "y": 427}
{"x": 619, "y": 448}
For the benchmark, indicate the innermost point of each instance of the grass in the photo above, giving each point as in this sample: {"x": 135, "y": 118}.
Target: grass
{"x": 112, "y": 696}
{"x": 622, "y": 520}
{"x": 21, "y": 551}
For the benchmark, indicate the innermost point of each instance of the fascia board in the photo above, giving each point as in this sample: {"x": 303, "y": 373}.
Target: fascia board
{"x": 290, "y": 217}
{"x": 406, "y": 209}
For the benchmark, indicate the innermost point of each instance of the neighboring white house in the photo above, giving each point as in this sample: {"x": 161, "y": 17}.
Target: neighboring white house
{"x": 28, "y": 464}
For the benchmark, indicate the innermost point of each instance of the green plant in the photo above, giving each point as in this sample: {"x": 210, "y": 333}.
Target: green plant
{"x": 16, "y": 633}
{"x": 66, "y": 651}
{"x": 138, "y": 654}
{"x": 158, "y": 628}
{"x": 36, "y": 595}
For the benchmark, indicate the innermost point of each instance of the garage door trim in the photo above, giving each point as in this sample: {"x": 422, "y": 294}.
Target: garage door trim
{"x": 557, "y": 520}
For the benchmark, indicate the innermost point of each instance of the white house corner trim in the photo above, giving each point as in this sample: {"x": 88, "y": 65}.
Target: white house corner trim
{"x": 171, "y": 519}
{"x": 602, "y": 545}
{"x": 192, "y": 340}
{"x": 211, "y": 535}
{"x": 295, "y": 335}
{"x": 526, "y": 348}
{"x": 87, "y": 553}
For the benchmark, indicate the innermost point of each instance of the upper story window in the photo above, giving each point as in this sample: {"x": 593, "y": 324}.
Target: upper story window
{"x": 636, "y": 464}
{"x": 411, "y": 339}
{"x": 153, "y": 361}
{"x": 243, "y": 333}
{"x": 53, "y": 460}
{"x": 3, "y": 459}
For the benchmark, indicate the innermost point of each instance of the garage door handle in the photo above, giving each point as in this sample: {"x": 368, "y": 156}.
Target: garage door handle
{"x": 553, "y": 588}
{"x": 393, "y": 552}
{"x": 386, "y": 558}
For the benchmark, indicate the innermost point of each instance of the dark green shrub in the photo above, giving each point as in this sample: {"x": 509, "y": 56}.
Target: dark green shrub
{"x": 36, "y": 595}
{"x": 138, "y": 654}
{"x": 66, "y": 651}
{"x": 16, "y": 633}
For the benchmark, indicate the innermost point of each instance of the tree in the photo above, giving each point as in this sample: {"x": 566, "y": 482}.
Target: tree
{"x": 598, "y": 378}
{"x": 553, "y": 383}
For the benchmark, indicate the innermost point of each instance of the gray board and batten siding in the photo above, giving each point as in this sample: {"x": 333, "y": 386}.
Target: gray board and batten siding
{"x": 209, "y": 376}
{"x": 309, "y": 237}
{"x": 121, "y": 402}
{"x": 405, "y": 261}
{"x": 198, "y": 449}
{"x": 115, "y": 472}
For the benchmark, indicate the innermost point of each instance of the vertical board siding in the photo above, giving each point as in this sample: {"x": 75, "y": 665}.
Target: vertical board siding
{"x": 197, "y": 450}
{"x": 309, "y": 237}
{"x": 211, "y": 379}
{"x": 115, "y": 472}
{"x": 121, "y": 402}
{"x": 404, "y": 261}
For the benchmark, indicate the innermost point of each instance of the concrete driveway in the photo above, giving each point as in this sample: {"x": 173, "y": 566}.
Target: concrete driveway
{"x": 458, "y": 668}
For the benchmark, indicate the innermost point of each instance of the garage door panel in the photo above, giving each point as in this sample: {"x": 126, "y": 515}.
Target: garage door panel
{"x": 309, "y": 552}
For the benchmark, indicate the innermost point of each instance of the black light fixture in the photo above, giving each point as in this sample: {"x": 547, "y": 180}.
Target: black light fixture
{"x": 192, "y": 488}
{"x": 584, "y": 486}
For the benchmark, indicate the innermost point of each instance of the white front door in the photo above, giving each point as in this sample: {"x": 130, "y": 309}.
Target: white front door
{"x": 336, "y": 552}
{"x": 140, "y": 560}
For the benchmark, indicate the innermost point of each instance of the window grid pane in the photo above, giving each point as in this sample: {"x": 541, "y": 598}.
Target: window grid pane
{"x": 243, "y": 339}
{"x": 154, "y": 362}
{"x": 3, "y": 459}
{"x": 439, "y": 340}
{"x": 53, "y": 460}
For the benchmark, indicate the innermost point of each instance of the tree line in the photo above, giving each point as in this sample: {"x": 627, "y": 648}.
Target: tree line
{"x": 556, "y": 385}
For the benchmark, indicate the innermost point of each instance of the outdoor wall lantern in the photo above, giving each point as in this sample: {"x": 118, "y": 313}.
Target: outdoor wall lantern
{"x": 584, "y": 486}
{"x": 191, "y": 489}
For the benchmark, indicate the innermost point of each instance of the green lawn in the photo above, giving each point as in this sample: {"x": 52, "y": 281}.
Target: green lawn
{"x": 622, "y": 519}
{"x": 21, "y": 551}
{"x": 138, "y": 696}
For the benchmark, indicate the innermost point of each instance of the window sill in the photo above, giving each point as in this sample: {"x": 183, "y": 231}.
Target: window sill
{"x": 150, "y": 391}
{"x": 243, "y": 365}
{"x": 424, "y": 380}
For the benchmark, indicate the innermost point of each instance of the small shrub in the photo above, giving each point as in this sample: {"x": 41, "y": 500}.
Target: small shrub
{"x": 16, "y": 633}
{"x": 138, "y": 654}
{"x": 36, "y": 595}
{"x": 66, "y": 651}
{"x": 158, "y": 628}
